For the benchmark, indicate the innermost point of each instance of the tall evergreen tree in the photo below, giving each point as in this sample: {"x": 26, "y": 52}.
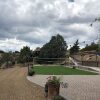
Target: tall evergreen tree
{"x": 75, "y": 48}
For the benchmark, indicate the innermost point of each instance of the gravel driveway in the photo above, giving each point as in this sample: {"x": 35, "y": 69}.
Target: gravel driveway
{"x": 15, "y": 86}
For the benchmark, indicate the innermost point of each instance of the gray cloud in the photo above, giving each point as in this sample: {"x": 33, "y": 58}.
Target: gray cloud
{"x": 35, "y": 22}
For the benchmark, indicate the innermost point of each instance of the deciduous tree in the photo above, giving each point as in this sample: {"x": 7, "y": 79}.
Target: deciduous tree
{"x": 55, "y": 48}
{"x": 25, "y": 55}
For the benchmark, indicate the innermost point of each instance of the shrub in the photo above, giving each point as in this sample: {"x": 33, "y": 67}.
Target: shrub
{"x": 74, "y": 67}
{"x": 58, "y": 97}
{"x": 31, "y": 72}
{"x": 54, "y": 80}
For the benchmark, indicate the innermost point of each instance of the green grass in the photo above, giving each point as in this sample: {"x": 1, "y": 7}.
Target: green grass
{"x": 60, "y": 70}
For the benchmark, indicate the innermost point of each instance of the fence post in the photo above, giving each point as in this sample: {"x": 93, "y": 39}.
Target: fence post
{"x": 82, "y": 58}
{"x": 96, "y": 60}
{"x": 33, "y": 61}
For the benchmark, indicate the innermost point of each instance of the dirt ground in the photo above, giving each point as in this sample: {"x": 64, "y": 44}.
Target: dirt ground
{"x": 15, "y": 86}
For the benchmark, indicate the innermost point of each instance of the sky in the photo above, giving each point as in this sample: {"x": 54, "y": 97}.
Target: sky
{"x": 33, "y": 22}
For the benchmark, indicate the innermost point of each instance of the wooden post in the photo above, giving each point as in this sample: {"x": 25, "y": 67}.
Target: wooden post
{"x": 96, "y": 60}
{"x": 82, "y": 58}
{"x": 28, "y": 63}
{"x": 33, "y": 61}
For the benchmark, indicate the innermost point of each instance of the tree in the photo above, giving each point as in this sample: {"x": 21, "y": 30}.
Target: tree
{"x": 7, "y": 58}
{"x": 91, "y": 47}
{"x": 25, "y": 55}
{"x": 16, "y": 52}
{"x": 1, "y": 51}
{"x": 36, "y": 52}
{"x": 55, "y": 48}
{"x": 75, "y": 48}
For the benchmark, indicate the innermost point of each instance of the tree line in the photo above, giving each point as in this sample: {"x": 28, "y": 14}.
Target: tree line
{"x": 55, "y": 48}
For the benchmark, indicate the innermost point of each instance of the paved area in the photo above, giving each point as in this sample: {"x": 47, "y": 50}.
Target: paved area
{"x": 15, "y": 86}
{"x": 96, "y": 69}
{"x": 80, "y": 87}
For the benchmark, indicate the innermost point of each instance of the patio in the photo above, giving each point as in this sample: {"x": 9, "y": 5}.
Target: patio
{"x": 80, "y": 87}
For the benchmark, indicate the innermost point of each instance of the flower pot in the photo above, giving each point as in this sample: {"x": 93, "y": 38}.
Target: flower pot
{"x": 53, "y": 89}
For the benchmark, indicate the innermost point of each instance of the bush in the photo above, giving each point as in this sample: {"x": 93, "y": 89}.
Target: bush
{"x": 54, "y": 80}
{"x": 74, "y": 67}
{"x": 58, "y": 97}
{"x": 31, "y": 72}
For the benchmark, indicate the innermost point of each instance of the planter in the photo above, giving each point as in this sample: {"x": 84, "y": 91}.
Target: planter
{"x": 58, "y": 97}
{"x": 53, "y": 89}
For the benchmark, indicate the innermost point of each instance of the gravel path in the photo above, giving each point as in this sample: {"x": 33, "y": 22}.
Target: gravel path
{"x": 15, "y": 86}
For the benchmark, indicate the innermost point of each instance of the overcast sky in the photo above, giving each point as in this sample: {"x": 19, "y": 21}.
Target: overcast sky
{"x": 33, "y": 22}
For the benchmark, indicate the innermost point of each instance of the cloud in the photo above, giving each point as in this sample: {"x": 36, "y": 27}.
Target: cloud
{"x": 32, "y": 23}
{"x": 14, "y": 44}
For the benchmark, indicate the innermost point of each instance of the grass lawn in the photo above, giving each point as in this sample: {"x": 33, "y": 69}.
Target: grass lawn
{"x": 60, "y": 70}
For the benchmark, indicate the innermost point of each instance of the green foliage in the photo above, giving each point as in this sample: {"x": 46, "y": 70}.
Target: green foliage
{"x": 6, "y": 58}
{"x": 91, "y": 47}
{"x": 55, "y": 48}
{"x": 36, "y": 52}
{"x": 25, "y": 55}
{"x": 1, "y": 51}
{"x": 16, "y": 52}
{"x": 58, "y": 97}
{"x": 75, "y": 48}
{"x": 54, "y": 80}
{"x": 31, "y": 72}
